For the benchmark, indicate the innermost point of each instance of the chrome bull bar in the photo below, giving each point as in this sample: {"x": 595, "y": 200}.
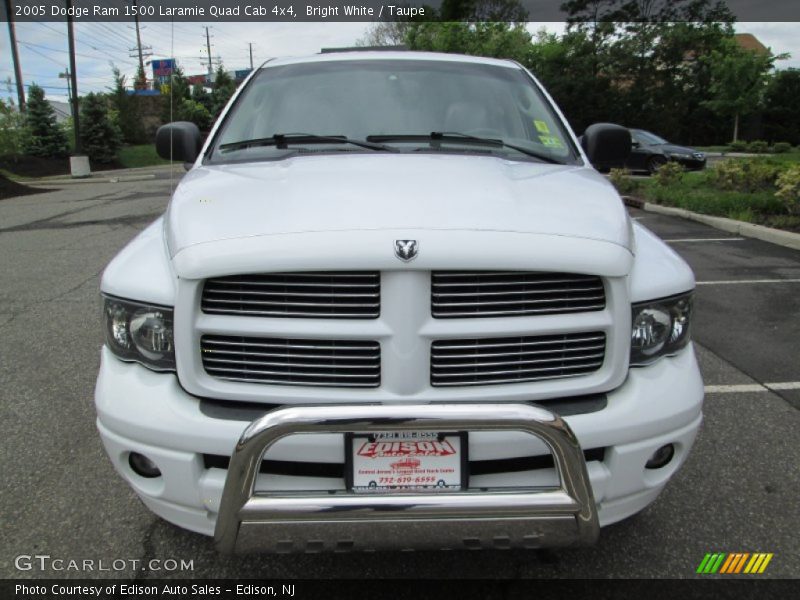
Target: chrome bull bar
{"x": 340, "y": 521}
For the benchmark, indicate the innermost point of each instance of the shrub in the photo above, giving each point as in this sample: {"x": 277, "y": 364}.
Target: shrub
{"x": 758, "y": 147}
{"x": 781, "y": 147}
{"x": 100, "y": 136}
{"x": 621, "y": 179}
{"x": 738, "y": 146}
{"x": 43, "y": 136}
{"x": 744, "y": 175}
{"x": 789, "y": 189}
{"x": 190, "y": 110}
{"x": 669, "y": 174}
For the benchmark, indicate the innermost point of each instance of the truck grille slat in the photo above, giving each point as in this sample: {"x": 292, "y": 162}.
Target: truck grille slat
{"x": 321, "y": 295}
{"x": 213, "y": 352}
{"x": 331, "y": 363}
{"x": 460, "y": 362}
{"x": 461, "y": 294}
{"x": 517, "y": 342}
{"x": 534, "y": 361}
{"x": 522, "y": 354}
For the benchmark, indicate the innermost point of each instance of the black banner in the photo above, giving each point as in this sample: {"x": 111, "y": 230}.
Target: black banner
{"x": 398, "y": 589}
{"x": 210, "y": 11}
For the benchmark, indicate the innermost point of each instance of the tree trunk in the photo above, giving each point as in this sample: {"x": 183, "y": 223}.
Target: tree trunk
{"x": 736, "y": 128}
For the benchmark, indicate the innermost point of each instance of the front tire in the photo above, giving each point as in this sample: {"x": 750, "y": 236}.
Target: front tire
{"x": 654, "y": 163}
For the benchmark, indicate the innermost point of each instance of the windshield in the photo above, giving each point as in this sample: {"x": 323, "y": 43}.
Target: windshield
{"x": 650, "y": 139}
{"x": 389, "y": 99}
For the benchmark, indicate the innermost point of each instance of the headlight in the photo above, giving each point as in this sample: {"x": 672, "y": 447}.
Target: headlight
{"x": 140, "y": 332}
{"x": 659, "y": 328}
{"x": 680, "y": 156}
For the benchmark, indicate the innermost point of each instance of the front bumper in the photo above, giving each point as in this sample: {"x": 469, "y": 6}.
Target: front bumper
{"x": 692, "y": 164}
{"x": 560, "y": 516}
{"x": 146, "y": 412}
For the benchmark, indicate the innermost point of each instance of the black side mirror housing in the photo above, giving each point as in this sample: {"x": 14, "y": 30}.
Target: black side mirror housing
{"x": 606, "y": 143}
{"x": 180, "y": 141}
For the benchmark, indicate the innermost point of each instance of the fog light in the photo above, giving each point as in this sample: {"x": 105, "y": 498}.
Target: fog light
{"x": 143, "y": 466}
{"x": 661, "y": 457}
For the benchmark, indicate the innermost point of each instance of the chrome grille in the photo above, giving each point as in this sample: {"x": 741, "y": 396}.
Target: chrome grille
{"x": 325, "y": 295}
{"x": 516, "y": 359}
{"x": 305, "y": 362}
{"x": 462, "y": 294}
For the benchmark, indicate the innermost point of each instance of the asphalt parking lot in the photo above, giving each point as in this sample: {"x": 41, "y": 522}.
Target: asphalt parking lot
{"x": 739, "y": 491}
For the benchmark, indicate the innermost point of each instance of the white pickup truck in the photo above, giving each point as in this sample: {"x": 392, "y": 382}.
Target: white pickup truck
{"x": 392, "y": 305}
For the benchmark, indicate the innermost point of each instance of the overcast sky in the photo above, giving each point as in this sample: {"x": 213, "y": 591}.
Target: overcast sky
{"x": 43, "y": 47}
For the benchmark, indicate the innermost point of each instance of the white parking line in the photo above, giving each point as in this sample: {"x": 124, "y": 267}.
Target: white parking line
{"x": 723, "y": 239}
{"x": 752, "y": 387}
{"x": 735, "y": 389}
{"x": 735, "y": 281}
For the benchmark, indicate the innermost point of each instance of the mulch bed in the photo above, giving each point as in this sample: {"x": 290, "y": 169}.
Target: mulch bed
{"x": 34, "y": 166}
{"x": 9, "y": 189}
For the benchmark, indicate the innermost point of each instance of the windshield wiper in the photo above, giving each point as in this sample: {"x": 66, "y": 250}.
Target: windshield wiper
{"x": 282, "y": 141}
{"x": 461, "y": 138}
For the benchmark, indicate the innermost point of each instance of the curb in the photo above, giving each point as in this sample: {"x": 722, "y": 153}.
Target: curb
{"x": 79, "y": 181}
{"x": 759, "y": 232}
{"x": 110, "y": 176}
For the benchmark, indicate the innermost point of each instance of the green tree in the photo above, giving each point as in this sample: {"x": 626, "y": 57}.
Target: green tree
{"x": 738, "y": 82}
{"x": 201, "y": 96}
{"x": 127, "y": 111}
{"x": 224, "y": 87}
{"x": 495, "y": 39}
{"x": 173, "y": 95}
{"x": 575, "y": 70}
{"x": 100, "y": 136}
{"x": 12, "y": 130}
{"x": 781, "y": 117}
{"x": 43, "y": 136}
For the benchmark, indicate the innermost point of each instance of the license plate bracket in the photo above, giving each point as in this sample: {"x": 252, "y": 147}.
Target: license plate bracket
{"x": 406, "y": 461}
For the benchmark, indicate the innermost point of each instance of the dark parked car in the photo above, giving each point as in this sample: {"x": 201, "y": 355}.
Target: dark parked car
{"x": 649, "y": 152}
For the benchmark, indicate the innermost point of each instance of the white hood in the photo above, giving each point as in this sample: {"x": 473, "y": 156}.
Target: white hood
{"x": 313, "y": 207}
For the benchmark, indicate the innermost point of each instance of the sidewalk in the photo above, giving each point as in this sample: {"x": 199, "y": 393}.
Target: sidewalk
{"x": 779, "y": 237}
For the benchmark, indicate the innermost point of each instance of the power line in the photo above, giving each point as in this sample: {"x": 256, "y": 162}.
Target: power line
{"x": 51, "y": 59}
{"x": 85, "y": 43}
{"x": 30, "y": 46}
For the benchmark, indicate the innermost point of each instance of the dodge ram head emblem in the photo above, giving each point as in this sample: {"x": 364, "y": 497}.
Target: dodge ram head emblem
{"x": 406, "y": 250}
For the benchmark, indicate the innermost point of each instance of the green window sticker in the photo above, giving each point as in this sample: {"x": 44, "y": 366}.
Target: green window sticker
{"x": 541, "y": 127}
{"x": 551, "y": 141}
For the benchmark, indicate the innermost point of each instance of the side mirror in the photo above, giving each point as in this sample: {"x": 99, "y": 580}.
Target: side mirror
{"x": 606, "y": 143}
{"x": 179, "y": 141}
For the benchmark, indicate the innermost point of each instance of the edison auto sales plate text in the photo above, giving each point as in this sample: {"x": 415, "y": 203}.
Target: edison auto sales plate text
{"x": 406, "y": 461}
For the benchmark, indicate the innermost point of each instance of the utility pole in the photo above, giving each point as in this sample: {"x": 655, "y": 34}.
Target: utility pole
{"x": 251, "y": 55}
{"x": 208, "y": 49}
{"x": 140, "y": 50}
{"x": 138, "y": 35}
{"x": 73, "y": 76}
{"x": 66, "y": 75}
{"x": 12, "y": 38}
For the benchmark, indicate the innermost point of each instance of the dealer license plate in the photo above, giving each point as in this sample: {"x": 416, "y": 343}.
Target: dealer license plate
{"x": 406, "y": 461}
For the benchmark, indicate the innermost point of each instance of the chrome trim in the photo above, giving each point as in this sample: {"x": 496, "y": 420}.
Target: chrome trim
{"x": 481, "y": 294}
{"x": 249, "y": 520}
{"x": 465, "y": 364}
{"x": 319, "y": 295}
{"x": 292, "y": 362}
